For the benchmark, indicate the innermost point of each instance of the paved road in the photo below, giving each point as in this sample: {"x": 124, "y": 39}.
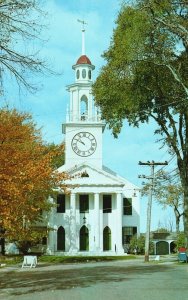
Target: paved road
{"x": 122, "y": 280}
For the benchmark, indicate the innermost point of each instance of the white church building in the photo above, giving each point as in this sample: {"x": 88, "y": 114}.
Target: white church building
{"x": 102, "y": 212}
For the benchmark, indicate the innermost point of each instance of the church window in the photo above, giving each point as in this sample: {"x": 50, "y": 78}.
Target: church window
{"x": 89, "y": 74}
{"x": 84, "y": 203}
{"x": 83, "y": 73}
{"x": 127, "y": 206}
{"x": 107, "y": 203}
{"x": 78, "y": 74}
{"x": 84, "y": 238}
{"x": 61, "y": 203}
{"x": 106, "y": 239}
{"x": 84, "y": 107}
{"x": 128, "y": 233}
{"x": 61, "y": 239}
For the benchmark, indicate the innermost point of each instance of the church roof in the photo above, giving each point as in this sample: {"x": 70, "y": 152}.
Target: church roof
{"x": 83, "y": 59}
{"x": 85, "y": 174}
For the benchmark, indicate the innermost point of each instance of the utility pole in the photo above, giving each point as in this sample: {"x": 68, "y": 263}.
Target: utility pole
{"x": 152, "y": 165}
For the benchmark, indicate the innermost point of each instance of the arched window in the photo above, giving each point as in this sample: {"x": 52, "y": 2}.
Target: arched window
{"x": 84, "y": 73}
{"x": 89, "y": 74}
{"x": 78, "y": 74}
{"x": 107, "y": 239}
{"x": 61, "y": 239}
{"x": 84, "y": 238}
{"x": 84, "y": 107}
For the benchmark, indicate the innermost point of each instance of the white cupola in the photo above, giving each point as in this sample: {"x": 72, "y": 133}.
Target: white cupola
{"x": 83, "y": 69}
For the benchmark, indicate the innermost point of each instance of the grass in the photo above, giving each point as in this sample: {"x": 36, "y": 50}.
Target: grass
{"x": 80, "y": 259}
{"x": 11, "y": 259}
{"x": 52, "y": 259}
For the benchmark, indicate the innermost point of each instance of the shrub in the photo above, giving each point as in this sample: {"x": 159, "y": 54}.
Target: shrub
{"x": 181, "y": 240}
{"x": 138, "y": 243}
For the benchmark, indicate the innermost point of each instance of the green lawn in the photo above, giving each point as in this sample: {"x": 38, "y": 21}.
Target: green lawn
{"x": 15, "y": 259}
{"x": 79, "y": 259}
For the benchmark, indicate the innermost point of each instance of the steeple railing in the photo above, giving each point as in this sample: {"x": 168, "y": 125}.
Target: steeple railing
{"x": 72, "y": 118}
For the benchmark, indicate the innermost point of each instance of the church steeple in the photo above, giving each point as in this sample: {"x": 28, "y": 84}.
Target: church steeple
{"x": 83, "y": 67}
{"x": 83, "y": 128}
{"x": 83, "y": 35}
{"x": 82, "y": 106}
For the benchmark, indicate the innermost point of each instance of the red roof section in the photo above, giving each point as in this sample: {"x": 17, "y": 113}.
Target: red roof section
{"x": 83, "y": 60}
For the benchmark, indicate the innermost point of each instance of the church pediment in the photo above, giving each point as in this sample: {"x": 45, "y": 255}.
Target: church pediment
{"x": 85, "y": 174}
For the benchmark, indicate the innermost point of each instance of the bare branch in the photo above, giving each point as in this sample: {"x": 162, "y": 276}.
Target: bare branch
{"x": 20, "y": 23}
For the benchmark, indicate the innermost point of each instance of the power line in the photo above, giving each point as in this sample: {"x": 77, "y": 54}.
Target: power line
{"x": 152, "y": 165}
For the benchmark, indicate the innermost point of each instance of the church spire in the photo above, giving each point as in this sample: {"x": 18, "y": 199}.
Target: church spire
{"x": 83, "y": 64}
{"x": 83, "y": 35}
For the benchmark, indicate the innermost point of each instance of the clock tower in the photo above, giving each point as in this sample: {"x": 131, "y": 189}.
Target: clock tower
{"x": 83, "y": 127}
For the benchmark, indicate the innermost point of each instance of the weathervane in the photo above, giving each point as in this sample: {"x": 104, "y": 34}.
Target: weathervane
{"x": 83, "y": 35}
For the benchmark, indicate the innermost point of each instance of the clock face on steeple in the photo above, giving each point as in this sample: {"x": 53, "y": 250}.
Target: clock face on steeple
{"x": 84, "y": 144}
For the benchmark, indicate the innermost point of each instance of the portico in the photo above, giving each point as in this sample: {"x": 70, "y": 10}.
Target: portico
{"x": 93, "y": 213}
{"x": 95, "y": 219}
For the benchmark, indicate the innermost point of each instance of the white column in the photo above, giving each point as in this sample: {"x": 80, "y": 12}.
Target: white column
{"x": 50, "y": 247}
{"x": 90, "y": 102}
{"x": 119, "y": 247}
{"x": 155, "y": 248}
{"x": 73, "y": 235}
{"x": 97, "y": 221}
{"x": 51, "y": 233}
{"x": 71, "y": 113}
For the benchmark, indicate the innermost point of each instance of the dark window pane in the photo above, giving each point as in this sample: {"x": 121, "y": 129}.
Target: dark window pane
{"x": 134, "y": 230}
{"x": 77, "y": 74}
{"x": 84, "y": 73}
{"x": 61, "y": 239}
{"x": 61, "y": 203}
{"x": 84, "y": 203}
{"x": 128, "y": 233}
{"x": 84, "y": 239}
{"x": 106, "y": 239}
{"x": 127, "y": 206}
{"x": 107, "y": 203}
{"x": 89, "y": 74}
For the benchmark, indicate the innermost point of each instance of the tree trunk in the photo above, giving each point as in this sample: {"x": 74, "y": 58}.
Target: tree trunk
{"x": 185, "y": 216}
{"x": 177, "y": 222}
{"x": 2, "y": 246}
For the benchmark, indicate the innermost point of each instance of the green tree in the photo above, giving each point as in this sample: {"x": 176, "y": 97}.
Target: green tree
{"x": 168, "y": 194}
{"x": 146, "y": 76}
{"x": 161, "y": 230}
{"x": 181, "y": 240}
{"x": 138, "y": 243}
{"x": 21, "y": 25}
{"x": 59, "y": 159}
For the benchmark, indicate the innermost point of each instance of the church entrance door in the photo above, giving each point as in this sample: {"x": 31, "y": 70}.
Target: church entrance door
{"x": 106, "y": 239}
{"x": 84, "y": 239}
{"x": 61, "y": 239}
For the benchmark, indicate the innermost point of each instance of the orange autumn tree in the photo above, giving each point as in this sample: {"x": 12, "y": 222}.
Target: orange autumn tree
{"x": 27, "y": 175}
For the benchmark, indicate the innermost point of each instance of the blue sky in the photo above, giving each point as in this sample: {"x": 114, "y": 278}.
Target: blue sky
{"x": 48, "y": 106}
